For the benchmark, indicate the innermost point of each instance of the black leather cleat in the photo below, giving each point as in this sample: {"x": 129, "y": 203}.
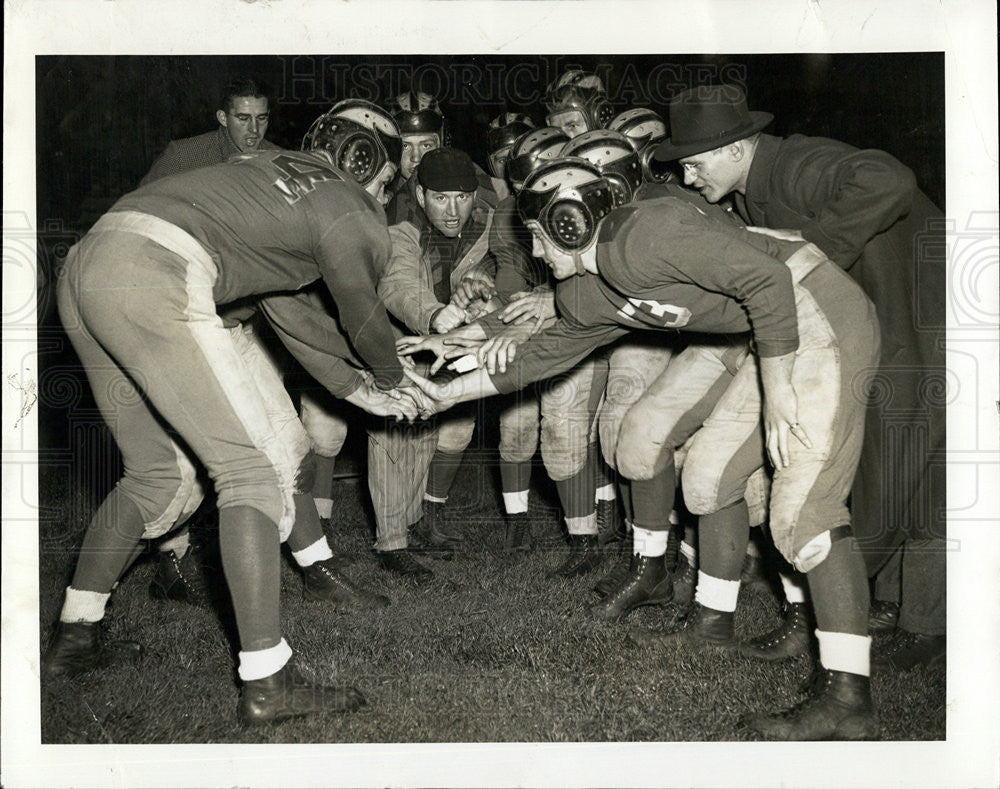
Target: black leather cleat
{"x": 517, "y": 535}
{"x": 583, "y": 556}
{"x": 788, "y": 640}
{"x": 616, "y": 577}
{"x": 402, "y": 563}
{"x": 838, "y": 707}
{"x": 685, "y": 580}
{"x": 287, "y": 694}
{"x": 610, "y": 526}
{"x": 698, "y": 626}
{"x": 179, "y": 578}
{"x": 883, "y": 617}
{"x": 428, "y": 537}
{"x": 323, "y": 582}
{"x": 648, "y": 583}
{"x": 77, "y": 647}
{"x": 908, "y": 650}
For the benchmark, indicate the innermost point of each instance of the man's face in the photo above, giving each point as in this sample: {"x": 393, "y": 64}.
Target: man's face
{"x": 571, "y": 122}
{"x": 561, "y": 263}
{"x": 414, "y": 148}
{"x": 447, "y": 211}
{"x": 377, "y": 187}
{"x": 713, "y": 173}
{"x": 245, "y": 121}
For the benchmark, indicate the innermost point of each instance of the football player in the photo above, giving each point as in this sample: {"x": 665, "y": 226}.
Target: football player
{"x": 666, "y": 265}
{"x": 139, "y": 304}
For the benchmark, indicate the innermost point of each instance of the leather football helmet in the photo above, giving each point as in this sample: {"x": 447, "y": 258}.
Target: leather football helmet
{"x": 531, "y": 149}
{"x": 644, "y": 129}
{"x": 583, "y": 92}
{"x": 568, "y": 197}
{"x": 361, "y": 138}
{"x": 416, "y": 112}
{"x": 614, "y": 156}
{"x": 503, "y": 133}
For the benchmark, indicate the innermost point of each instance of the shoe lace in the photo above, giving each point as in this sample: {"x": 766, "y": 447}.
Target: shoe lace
{"x": 815, "y": 689}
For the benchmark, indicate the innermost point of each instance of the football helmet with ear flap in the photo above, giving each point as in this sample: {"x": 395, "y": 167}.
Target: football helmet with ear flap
{"x": 578, "y": 90}
{"x": 531, "y": 149}
{"x": 503, "y": 133}
{"x": 614, "y": 156}
{"x": 644, "y": 129}
{"x": 568, "y": 197}
{"x": 361, "y": 138}
{"x": 416, "y": 112}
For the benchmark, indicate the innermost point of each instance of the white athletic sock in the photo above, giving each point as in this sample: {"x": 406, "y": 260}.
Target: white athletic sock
{"x": 649, "y": 543}
{"x": 794, "y": 586}
{"x": 845, "y": 652}
{"x": 429, "y": 497}
{"x": 261, "y": 663}
{"x": 689, "y": 552}
{"x": 586, "y": 524}
{"x": 179, "y": 543}
{"x": 324, "y": 507}
{"x": 311, "y": 554}
{"x": 605, "y": 493}
{"x": 716, "y": 593}
{"x": 83, "y": 606}
{"x": 515, "y": 502}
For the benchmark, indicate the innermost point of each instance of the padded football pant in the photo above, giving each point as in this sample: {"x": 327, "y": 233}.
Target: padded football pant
{"x": 837, "y": 356}
{"x": 168, "y": 377}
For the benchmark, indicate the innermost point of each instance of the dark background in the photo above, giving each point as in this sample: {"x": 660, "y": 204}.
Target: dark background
{"x": 102, "y": 120}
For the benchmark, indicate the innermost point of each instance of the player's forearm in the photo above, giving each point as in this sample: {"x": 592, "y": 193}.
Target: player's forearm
{"x": 471, "y": 386}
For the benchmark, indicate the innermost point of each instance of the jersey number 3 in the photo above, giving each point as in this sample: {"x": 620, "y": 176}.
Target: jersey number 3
{"x": 666, "y": 315}
{"x": 300, "y": 176}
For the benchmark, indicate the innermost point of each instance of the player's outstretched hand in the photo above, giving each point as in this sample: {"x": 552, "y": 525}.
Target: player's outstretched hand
{"x": 383, "y": 403}
{"x": 439, "y": 394}
{"x": 445, "y": 347}
{"x": 530, "y": 305}
{"x": 447, "y": 318}
{"x": 475, "y": 286}
{"x": 499, "y": 351}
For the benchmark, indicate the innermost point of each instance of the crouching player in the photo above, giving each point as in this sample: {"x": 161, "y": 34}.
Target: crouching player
{"x": 139, "y": 304}
{"x": 664, "y": 264}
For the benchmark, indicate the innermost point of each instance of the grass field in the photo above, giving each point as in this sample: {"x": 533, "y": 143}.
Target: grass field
{"x": 489, "y": 650}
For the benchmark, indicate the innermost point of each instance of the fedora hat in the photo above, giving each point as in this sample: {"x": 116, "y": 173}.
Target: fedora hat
{"x": 708, "y": 117}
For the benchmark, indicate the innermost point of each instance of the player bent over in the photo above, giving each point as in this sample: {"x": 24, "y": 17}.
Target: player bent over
{"x": 665, "y": 265}
{"x": 139, "y": 304}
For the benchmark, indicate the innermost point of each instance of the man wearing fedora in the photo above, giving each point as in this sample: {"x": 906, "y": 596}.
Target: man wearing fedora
{"x": 864, "y": 210}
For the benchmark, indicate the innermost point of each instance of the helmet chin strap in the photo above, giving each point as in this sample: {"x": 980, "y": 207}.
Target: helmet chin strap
{"x": 578, "y": 262}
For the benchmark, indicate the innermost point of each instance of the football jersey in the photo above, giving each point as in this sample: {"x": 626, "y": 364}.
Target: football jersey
{"x": 274, "y": 221}
{"x": 666, "y": 265}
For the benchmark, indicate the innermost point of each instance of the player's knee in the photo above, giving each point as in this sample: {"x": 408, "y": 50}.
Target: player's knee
{"x": 164, "y": 502}
{"x": 638, "y": 456}
{"x": 454, "y": 437}
{"x": 814, "y": 552}
{"x": 518, "y": 442}
{"x": 564, "y": 447}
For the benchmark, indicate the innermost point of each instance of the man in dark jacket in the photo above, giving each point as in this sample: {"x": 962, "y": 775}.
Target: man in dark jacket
{"x": 864, "y": 210}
